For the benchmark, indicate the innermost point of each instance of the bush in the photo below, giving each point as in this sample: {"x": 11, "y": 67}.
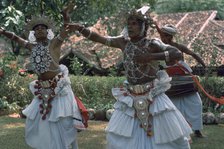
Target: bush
{"x": 214, "y": 86}
{"x": 95, "y": 92}
{"x": 14, "y": 92}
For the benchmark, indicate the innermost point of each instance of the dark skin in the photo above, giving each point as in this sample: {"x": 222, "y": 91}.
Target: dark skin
{"x": 168, "y": 39}
{"x": 134, "y": 29}
{"x": 41, "y": 37}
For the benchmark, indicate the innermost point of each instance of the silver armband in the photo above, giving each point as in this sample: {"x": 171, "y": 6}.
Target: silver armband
{"x": 90, "y": 33}
{"x": 13, "y": 35}
{"x": 167, "y": 56}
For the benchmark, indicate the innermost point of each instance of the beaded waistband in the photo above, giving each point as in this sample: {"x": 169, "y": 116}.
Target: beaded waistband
{"x": 45, "y": 91}
{"x": 49, "y": 83}
{"x": 139, "y": 88}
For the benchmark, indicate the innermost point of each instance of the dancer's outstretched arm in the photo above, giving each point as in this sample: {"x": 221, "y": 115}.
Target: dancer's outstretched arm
{"x": 12, "y": 36}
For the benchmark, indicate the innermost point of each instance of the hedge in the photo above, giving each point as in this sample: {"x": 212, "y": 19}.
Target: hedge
{"x": 95, "y": 92}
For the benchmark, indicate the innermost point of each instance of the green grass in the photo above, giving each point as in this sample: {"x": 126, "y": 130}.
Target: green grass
{"x": 12, "y": 135}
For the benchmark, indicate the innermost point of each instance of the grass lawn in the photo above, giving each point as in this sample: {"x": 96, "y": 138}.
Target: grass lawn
{"x": 12, "y": 135}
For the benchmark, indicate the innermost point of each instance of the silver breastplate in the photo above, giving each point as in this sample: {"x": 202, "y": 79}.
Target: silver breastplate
{"x": 133, "y": 69}
{"x": 40, "y": 58}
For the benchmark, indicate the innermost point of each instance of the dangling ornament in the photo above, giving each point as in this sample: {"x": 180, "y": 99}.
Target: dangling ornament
{"x": 50, "y": 34}
{"x": 32, "y": 37}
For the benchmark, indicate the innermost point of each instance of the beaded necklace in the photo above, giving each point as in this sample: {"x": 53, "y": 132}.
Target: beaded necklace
{"x": 133, "y": 69}
{"x": 40, "y": 58}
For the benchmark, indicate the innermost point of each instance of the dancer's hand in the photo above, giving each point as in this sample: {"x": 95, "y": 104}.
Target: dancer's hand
{"x": 66, "y": 10}
{"x": 74, "y": 27}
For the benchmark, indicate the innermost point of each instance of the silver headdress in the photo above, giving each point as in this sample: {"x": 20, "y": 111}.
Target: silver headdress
{"x": 142, "y": 14}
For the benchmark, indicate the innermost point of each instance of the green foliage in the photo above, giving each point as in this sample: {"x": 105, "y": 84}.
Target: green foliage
{"x": 76, "y": 66}
{"x": 14, "y": 93}
{"x": 88, "y": 12}
{"x": 7, "y": 107}
{"x": 214, "y": 86}
{"x": 95, "y": 92}
{"x": 5, "y": 63}
{"x": 11, "y": 18}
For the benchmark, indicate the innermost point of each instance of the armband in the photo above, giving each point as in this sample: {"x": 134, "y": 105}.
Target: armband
{"x": 13, "y": 35}
{"x": 167, "y": 56}
{"x": 90, "y": 33}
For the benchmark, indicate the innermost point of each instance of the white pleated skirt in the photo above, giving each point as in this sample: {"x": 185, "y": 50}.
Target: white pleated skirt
{"x": 59, "y": 129}
{"x": 170, "y": 129}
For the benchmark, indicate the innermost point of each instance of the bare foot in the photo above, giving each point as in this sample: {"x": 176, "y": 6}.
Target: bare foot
{"x": 198, "y": 134}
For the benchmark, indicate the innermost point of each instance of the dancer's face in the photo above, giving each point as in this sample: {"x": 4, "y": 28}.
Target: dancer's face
{"x": 134, "y": 28}
{"x": 166, "y": 38}
{"x": 40, "y": 31}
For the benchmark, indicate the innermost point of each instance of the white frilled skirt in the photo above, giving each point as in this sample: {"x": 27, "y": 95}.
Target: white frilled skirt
{"x": 170, "y": 129}
{"x": 59, "y": 129}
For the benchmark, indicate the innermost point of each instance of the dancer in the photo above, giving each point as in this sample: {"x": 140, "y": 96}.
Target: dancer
{"x": 185, "y": 96}
{"x": 53, "y": 117}
{"x": 144, "y": 116}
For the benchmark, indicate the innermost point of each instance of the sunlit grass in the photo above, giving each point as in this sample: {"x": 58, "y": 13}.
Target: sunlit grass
{"x": 12, "y": 135}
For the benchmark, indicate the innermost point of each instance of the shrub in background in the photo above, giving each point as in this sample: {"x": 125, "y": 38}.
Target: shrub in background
{"x": 95, "y": 92}
{"x": 215, "y": 87}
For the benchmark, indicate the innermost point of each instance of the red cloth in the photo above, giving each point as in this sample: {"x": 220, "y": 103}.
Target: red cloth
{"x": 213, "y": 98}
{"x": 83, "y": 110}
{"x": 175, "y": 70}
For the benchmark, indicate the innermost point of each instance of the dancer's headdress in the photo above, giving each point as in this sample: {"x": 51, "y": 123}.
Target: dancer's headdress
{"x": 37, "y": 20}
{"x": 142, "y": 14}
{"x": 44, "y": 20}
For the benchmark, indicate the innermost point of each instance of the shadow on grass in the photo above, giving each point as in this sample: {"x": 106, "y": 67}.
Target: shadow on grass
{"x": 94, "y": 137}
{"x": 12, "y": 135}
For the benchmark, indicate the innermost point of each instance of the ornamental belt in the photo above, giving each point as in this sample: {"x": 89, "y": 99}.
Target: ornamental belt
{"x": 141, "y": 104}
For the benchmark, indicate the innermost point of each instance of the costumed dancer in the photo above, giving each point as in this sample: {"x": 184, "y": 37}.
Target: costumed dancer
{"x": 53, "y": 117}
{"x": 144, "y": 116}
{"x": 184, "y": 94}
